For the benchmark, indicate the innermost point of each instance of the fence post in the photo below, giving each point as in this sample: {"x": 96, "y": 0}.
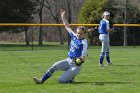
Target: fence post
{"x": 32, "y": 38}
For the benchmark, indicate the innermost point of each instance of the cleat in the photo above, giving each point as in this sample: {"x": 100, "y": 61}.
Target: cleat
{"x": 101, "y": 65}
{"x": 37, "y": 81}
{"x": 109, "y": 64}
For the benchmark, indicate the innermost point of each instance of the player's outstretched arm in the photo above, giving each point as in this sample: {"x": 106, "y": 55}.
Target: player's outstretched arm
{"x": 109, "y": 30}
{"x": 65, "y": 22}
{"x": 108, "y": 27}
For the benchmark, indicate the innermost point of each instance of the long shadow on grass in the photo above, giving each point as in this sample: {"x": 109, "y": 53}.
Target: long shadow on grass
{"x": 102, "y": 83}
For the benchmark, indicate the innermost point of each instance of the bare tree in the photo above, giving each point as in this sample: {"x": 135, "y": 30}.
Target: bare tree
{"x": 53, "y": 7}
{"x": 71, "y": 7}
{"x": 26, "y": 36}
{"x": 40, "y": 13}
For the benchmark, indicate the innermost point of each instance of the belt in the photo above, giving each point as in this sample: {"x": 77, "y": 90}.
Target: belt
{"x": 103, "y": 33}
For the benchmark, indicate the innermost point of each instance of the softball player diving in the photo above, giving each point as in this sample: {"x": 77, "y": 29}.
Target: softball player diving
{"x": 71, "y": 65}
{"x": 104, "y": 38}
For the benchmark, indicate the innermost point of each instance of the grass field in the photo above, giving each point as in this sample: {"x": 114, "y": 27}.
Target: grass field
{"x": 17, "y": 68}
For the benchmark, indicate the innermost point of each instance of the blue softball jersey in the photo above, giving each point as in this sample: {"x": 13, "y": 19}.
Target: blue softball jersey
{"x": 104, "y": 25}
{"x": 78, "y": 47}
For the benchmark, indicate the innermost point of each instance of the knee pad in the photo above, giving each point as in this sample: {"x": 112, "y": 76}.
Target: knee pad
{"x": 102, "y": 55}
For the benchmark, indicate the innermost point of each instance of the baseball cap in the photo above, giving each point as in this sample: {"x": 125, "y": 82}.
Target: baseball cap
{"x": 106, "y": 13}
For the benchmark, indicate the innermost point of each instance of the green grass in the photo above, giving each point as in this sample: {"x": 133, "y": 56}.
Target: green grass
{"x": 17, "y": 68}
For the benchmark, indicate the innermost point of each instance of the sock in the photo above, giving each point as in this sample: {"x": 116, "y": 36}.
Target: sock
{"x": 107, "y": 57}
{"x": 47, "y": 75}
{"x": 102, "y": 57}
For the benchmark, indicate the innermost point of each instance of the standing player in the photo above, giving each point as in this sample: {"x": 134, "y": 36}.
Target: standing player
{"x": 76, "y": 56}
{"x": 104, "y": 38}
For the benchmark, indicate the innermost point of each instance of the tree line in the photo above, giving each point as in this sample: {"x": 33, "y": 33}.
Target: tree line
{"x": 78, "y": 11}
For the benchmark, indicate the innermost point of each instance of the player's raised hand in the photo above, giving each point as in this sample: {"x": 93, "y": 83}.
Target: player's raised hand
{"x": 62, "y": 12}
{"x": 65, "y": 22}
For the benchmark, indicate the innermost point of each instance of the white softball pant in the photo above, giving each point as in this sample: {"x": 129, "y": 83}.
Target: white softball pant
{"x": 71, "y": 70}
{"x": 104, "y": 38}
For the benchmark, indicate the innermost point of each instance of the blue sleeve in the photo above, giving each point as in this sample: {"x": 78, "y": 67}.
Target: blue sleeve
{"x": 72, "y": 34}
